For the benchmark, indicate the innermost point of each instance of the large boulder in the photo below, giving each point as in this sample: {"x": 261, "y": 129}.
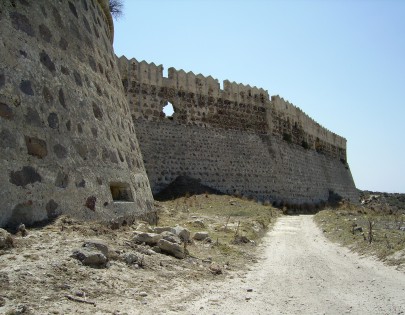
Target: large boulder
{"x": 172, "y": 249}
{"x": 147, "y": 238}
{"x": 6, "y": 241}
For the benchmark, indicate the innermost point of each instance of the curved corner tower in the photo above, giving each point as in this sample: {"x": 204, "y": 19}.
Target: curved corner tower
{"x": 67, "y": 141}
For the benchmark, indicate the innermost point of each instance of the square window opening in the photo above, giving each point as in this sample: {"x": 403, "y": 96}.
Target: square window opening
{"x": 121, "y": 192}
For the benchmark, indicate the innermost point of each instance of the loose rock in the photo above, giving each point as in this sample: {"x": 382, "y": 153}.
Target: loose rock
{"x": 97, "y": 244}
{"x": 91, "y": 256}
{"x": 182, "y": 232}
{"x": 172, "y": 249}
{"x": 6, "y": 241}
{"x": 161, "y": 229}
{"x": 200, "y": 236}
{"x": 147, "y": 238}
{"x": 169, "y": 236}
{"x": 215, "y": 269}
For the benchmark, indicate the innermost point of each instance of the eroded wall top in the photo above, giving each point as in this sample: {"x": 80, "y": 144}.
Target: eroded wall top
{"x": 199, "y": 100}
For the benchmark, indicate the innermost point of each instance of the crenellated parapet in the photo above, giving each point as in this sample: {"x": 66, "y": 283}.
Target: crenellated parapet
{"x": 296, "y": 126}
{"x": 199, "y": 100}
{"x": 196, "y": 99}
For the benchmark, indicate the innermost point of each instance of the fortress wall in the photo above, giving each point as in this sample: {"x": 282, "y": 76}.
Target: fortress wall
{"x": 236, "y": 139}
{"x": 197, "y": 100}
{"x": 66, "y": 133}
{"x": 239, "y": 162}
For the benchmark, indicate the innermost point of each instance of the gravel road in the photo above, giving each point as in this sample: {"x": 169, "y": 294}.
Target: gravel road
{"x": 301, "y": 272}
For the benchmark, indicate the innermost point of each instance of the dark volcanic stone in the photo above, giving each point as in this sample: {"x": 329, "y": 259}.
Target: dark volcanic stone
{"x": 28, "y": 175}
{"x": 26, "y": 87}
{"x": 21, "y": 23}
{"x": 53, "y": 121}
{"x": 60, "y": 151}
{"x": 5, "y": 111}
{"x": 46, "y": 61}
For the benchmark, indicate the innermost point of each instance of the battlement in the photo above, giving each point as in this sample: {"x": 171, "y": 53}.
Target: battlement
{"x": 152, "y": 74}
{"x": 309, "y": 125}
{"x": 238, "y": 92}
{"x": 199, "y": 100}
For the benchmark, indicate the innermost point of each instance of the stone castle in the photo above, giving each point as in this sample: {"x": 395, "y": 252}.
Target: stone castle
{"x": 72, "y": 115}
{"x": 67, "y": 141}
{"x": 236, "y": 140}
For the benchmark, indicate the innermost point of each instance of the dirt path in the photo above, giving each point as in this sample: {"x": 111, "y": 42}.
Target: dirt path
{"x": 301, "y": 272}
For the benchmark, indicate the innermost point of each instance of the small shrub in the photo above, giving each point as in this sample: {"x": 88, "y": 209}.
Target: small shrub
{"x": 116, "y": 7}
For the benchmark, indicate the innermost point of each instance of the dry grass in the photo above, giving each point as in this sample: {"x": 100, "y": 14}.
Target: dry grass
{"x": 225, "y": 218}
{"x": 366, "y": 231}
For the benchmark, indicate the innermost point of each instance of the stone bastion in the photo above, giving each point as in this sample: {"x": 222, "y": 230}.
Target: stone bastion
{"x": 67, "y": 140}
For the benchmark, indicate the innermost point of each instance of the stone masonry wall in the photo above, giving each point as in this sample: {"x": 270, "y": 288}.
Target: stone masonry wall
{"x": 67, "y": 141}
{"x": 235, "y": 139}
{"x": 243, "y": 163}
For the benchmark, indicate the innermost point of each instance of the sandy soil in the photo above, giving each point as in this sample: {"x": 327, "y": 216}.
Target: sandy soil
{"x": 302, "y": 273}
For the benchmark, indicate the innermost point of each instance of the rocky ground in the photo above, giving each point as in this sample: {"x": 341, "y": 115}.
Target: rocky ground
{"x": 207, "y": 255}
{"x": 71, "y": 267}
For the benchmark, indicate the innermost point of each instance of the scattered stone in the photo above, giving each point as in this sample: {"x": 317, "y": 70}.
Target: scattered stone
{"x": 147, "y": 238}
{"x": 200, "y": 236}
{"x": 143, "y": 227}
{"x": 97, "y": 244}
{"x": 249, "y": 290}
{"x": 198, "y": 223}
{"x": 19, "y": 309}
{"x": 93, "y": 254}
{"x": 357, "y": 229}
{"x": 182, "y": 232}
{"x": 143, "y": 294}
{"x": 130, "y": 258}
{"x": 207, "y": 260}
{"x": 172, "y": 249}
{"x": 6, "y": 241}
{"x": 2, "y": 301}
{"x": 239, "y": 239}
{"x": 215, "y": 269}
{"x": 161, "y": 229}
{"x": 21, "y": 229}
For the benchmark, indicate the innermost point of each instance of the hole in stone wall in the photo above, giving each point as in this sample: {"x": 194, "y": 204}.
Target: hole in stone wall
{"x": 121, "y": 192}
{"x": 168, "y": 110}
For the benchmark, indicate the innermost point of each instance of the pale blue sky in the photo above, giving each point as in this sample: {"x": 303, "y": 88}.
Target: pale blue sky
{"x": 341, "y": 62}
